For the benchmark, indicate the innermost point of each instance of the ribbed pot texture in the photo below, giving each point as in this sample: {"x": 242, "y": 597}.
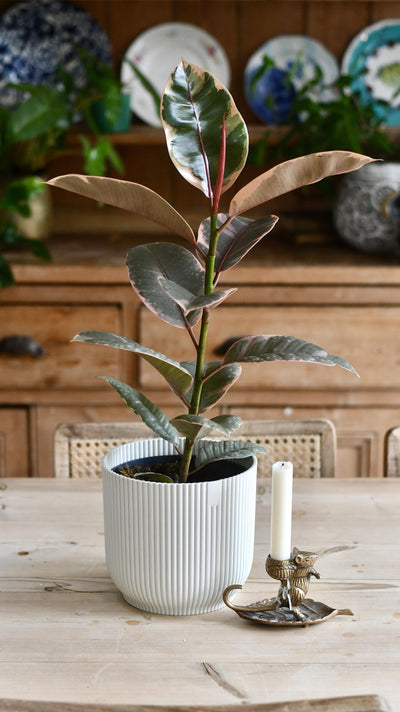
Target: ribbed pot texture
{"x": 174, "y": 548}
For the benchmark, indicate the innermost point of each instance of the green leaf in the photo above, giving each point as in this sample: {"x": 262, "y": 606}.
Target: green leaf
{"x": 253, "y": 349}
{"x": 146, "y": 410}
{"x": 195, "y": 426}
{"x": 177, "y": 377}
{"x": 38, "y": 248}
{"x": 229, "y": 422}
{"x": 133, "y": 197}
{"x": 6, "y": 275}
{"x": 236, "y": 239}
{"x": 98, "y": 154}
{"x": 208, "y": 368}
{"x": 152, "y": 477}
{"x": 192, "y": 109}
{"x": 225, "y": 450}
{"x": 217, "y": 384}
{"x": 189, "y": 302}
{"x": 147, "y": 264}
{"x": 293, "y": 174}
{"x": 146, "y": 84}
{"x": 46, "y": 108}
{"x": 18, "y": 193}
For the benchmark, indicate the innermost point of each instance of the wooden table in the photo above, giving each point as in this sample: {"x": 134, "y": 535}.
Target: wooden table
{"x": 67, "y": 634}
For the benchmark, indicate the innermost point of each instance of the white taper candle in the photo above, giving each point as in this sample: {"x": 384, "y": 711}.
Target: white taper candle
{"x": 281, "y": 512}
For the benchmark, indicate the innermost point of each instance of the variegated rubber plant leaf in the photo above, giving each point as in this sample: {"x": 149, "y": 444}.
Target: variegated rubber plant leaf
{"x": 189, "y": 302}
{"x": 217, "y": 384}
{"x": 193, "y": 107}
{"x": 236, "y": 239}
{"x": 225, "y": 449}
{"x": 146, "y": 410}
{"x": 217, "y": 380}
{"x": 133, "y": 197}
{"x": 253, "y": 349}
{"x": 177, "y": 377}
{"x": 294, "y": 174}
{"x": 196, "y": 426}
{"x": 148, "y": 264}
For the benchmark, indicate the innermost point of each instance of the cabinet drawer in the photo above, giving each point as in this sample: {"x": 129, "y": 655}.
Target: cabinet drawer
{"x": 14, "y": 458}
{"x": 368, "y": 337}
{"x": 62, "y": 365}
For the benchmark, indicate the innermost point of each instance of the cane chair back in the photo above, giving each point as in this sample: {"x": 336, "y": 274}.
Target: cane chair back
{"x": 309, "y": 444}
{"x": 392, "y": 453}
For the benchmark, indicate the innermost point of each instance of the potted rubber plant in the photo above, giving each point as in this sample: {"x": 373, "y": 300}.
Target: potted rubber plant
{"x": 176, "y": 538}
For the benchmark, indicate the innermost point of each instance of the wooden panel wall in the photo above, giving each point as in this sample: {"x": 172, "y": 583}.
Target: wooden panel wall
{"x": 241, "y": 26}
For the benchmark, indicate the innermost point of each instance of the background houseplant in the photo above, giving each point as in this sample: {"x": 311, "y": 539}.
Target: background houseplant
{"x": 108, "y": 96}
{"x": 208, "y": 143}
{"x": 318, "y": 116}
{"x": 32, "y": 133}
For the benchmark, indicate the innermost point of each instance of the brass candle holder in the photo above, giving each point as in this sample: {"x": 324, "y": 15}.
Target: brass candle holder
{"x": 291, "y": 605}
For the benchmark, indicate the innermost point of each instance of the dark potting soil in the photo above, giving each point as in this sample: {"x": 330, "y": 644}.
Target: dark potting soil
{"x": 169, "y": 465}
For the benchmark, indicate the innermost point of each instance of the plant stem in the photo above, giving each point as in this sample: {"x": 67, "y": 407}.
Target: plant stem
{"x": 201, "y": 349}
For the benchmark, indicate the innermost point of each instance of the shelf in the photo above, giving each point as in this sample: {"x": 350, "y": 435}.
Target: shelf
{"x": 151, "y": 136}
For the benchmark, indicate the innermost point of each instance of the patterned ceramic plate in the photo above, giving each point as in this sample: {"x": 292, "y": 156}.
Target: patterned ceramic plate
{"x": 37, "y": 35}
{"x": 288, "y": 52}
{"x": 373, "y": 59}
{"x": 157, "y": 51}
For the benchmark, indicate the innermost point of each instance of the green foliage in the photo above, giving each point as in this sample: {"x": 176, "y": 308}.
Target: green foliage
{"x": 15, "y": 199}
{"x": 32, "y": 133}
{"x": 317, "y": 123}
{"x": 208, "y": 143}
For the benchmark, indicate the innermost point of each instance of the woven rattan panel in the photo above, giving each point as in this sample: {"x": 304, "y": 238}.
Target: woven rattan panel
{"x": 303, "y": 450}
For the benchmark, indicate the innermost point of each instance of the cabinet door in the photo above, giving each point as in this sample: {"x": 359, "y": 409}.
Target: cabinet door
{"x": 360, "y": 433}
{"x": 366, "y": 336}
{"x": 14, "y": 453}
{"x": 62, "y": 364}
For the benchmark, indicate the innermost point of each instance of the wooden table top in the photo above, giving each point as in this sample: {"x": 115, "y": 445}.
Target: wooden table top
{"x": 67, "y": 634}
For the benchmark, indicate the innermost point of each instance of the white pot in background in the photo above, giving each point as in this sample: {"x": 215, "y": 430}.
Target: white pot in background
{"x": 174, "y": 548}
{"x": 39, "y": 225}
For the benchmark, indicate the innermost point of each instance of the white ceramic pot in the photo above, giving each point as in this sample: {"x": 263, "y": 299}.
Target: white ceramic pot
{"x": 174, "y": 548}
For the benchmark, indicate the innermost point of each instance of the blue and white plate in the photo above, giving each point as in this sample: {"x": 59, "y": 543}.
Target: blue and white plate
{"x": 373, "y": 59}
{"x": 37, "y": 35}
{"x": 271, "y": 94}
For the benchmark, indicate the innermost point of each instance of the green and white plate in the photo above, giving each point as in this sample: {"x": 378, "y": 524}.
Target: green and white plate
{"x": 373, "y": 60}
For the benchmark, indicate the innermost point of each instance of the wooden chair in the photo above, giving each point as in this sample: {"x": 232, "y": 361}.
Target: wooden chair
{"x": 391, "y": 467}
{"x": 309, "y": 444}
{"x": 359, "y": 703}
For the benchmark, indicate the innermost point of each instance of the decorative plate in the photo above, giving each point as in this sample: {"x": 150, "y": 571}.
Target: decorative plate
{"x": 373, "y": 58}
{"x": 37, "y": 35}
{"x": 157, "y": 51}
{"x": 270, "y": 96}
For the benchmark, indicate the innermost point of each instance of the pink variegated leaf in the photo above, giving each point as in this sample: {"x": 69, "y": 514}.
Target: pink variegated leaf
{"x": 133, "y": 197}
{"x": 148, "y": 264}
{"x": 236, "y": 239}
{"x": 253, "y": 349}
{"x": 293, "y": 174}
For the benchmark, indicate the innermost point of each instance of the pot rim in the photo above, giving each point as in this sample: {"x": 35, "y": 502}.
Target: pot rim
{"x": 109, "y": 467}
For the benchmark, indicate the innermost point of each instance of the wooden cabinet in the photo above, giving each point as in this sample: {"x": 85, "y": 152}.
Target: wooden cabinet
{"x": 294, "y": 283}
{"x": 14, "y": 442}
{"x": 344, "y": 301}
{"x": 51, "y": 328}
